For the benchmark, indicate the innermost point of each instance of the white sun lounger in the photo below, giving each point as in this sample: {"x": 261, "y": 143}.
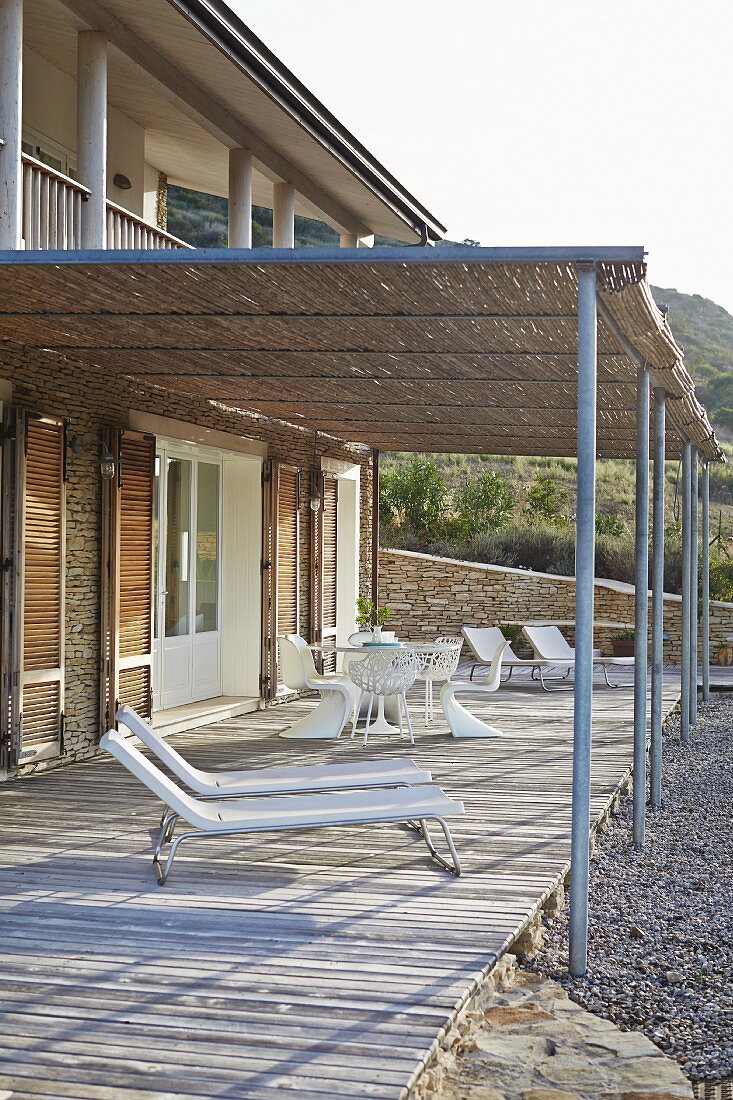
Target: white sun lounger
{"x": 552, "y": 650}
{"x": 232, "y": 817}
{"x": 262, "y": 781}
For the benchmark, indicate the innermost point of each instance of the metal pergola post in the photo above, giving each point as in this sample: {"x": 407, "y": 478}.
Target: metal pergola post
{"x": 375, "y": 527}
{"x": 584, "y": 577}
{"x": 686, "y": 562}
{"x": 705, "y": 582}
{"x": 655, "y": 761}
{"x": 641, "y": 601}
{"x": 694, "y": 557}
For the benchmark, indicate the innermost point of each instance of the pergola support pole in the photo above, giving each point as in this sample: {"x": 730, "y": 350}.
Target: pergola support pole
{"x": 705, "y": 582}
{"x": 375, "y": 527}
{"x": 686, "y": 591}
{"x": 694, "y": 559}
{"x": 655, "y": 761}
{"x": 584, "y": 574}
{"x": 641, "y": 601}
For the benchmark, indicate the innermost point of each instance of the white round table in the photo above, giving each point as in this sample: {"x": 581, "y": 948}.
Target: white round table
{"x": 380, "y": 723}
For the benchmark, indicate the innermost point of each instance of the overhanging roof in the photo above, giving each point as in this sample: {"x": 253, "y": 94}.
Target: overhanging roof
{"x": 200, "y": 82}
{"x": 465, "y": 349}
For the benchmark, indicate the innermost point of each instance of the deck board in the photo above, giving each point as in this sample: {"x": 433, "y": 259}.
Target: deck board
{"x": 321, "y": 963}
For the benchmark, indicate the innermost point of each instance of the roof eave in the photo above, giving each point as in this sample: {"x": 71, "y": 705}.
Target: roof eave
{"x": 217, "y": 22}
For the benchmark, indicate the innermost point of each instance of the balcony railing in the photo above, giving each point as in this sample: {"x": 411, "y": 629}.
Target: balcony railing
{"x": 126, "y": 230}
{"x": 52, "y": 204}
{"x": 51, "y": 207}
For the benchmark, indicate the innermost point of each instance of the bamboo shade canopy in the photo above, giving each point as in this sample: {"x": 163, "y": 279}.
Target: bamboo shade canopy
{"x": 417, "y": 349}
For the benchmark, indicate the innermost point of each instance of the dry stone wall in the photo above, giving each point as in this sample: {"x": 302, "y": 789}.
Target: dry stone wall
{"x": 431, "y": 596}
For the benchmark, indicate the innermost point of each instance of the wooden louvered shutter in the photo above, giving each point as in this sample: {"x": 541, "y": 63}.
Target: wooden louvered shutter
{"x": 38, "y": 605}
{"x": 328, "y": 588}
{"x": 7, "y": 587}
{"x": 268, "y": 676}
{"x": 287, "y": 559}
{"x": 127, "y": 620}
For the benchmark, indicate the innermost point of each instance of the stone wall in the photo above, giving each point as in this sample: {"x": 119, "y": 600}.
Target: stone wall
{"x": 431, "y": 596}
{"x": 57, "y": 386}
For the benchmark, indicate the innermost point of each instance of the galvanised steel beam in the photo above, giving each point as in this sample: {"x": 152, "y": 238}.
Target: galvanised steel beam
{"x": 705, "y": 582}
{"x": 686, "y": 592}
{"x": 585, "y": 533}
{"x": 641, "y": 602}
{"x": 655, "y": 762}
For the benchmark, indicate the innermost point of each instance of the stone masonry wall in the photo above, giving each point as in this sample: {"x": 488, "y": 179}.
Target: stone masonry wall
{"x": 56, "y": 386}
{"x": 431, "y": 596}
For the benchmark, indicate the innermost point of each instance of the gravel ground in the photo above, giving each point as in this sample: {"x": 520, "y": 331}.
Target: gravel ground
{"x": 661, "y": 926}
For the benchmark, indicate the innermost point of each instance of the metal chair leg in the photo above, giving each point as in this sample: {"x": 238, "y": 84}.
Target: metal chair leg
{"x": 455, "y": 867}
{"x": 357, "y": 708}
{"x": 409, "y": 720}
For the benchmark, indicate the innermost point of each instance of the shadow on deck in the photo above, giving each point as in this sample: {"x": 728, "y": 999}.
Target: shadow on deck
{"x": 322, "y": 963}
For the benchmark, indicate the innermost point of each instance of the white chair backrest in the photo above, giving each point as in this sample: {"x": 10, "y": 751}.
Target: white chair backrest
{"x": 165, "y": 752}
{"x": 493, "y": 677}
{"x": 483, "y": 641}
{"x": 549, "y": 643}
{"x": 442, "y": 663}
{"x": 382, "y": 673}
{"x": 359, "y": 637}
{"x": 202, "y": 815}
{"x": 297, "y": 666}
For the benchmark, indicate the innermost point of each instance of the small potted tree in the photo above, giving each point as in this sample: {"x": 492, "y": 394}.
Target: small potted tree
{"x": 371, "y": 617}
{"x": 623, "y": 643}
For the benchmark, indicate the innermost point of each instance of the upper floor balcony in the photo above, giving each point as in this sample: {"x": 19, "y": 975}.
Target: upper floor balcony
{"x": 153, "y": 92}
{"x": 52, "y": 214}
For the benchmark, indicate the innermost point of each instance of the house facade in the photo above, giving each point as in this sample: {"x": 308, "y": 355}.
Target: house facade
{"x": 154, "y": 543}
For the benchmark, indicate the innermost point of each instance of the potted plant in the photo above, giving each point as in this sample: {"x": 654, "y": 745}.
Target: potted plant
{"x": 623, "y": 643}
{"x": 515, "y": 636}
{"x": 371, "y": 617}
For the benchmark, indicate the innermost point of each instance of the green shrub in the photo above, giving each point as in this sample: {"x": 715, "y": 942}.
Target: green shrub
{"x": 414, "y": 497}
{"x": 546, "y": 501}
{"x": 721, "y": 580}
{"x": 483, "y": 503}
{"x": 606, "y": 524}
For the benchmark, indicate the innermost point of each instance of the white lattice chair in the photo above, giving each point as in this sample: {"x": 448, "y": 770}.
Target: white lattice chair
{"x": 438, "y": 667}
{"x": 385, "y": 675}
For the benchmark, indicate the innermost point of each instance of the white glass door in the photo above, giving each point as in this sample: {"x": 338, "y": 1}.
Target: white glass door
{"x": 187, "y": 650}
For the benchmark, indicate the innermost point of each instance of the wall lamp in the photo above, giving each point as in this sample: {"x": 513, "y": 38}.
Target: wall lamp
{"x": 121, "y": 181}
{"x": 106, "y": 458}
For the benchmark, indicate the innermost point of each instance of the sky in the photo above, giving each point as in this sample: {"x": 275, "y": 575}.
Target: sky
{"x": 538, "y": 122}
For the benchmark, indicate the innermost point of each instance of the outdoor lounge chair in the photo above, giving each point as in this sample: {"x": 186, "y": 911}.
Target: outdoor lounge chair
{"x": 483, "y": 642}
{"x": 551, "y": 650}
{"x": 237, "y": 817}
{"x": 263, "y": 781}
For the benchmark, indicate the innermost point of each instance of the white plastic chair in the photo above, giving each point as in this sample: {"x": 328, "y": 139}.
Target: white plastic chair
{"x": 385, "y": 674}
{"x": 337, "y": 691}
{"x": 461, "y": 722}
{"x": 438, "y": 667}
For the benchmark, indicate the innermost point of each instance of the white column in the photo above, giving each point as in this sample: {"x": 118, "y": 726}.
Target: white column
{"x": 91, "y": 135}
{"x": 283, "y": 215}
{"x": 11, "y": 90}
{"x": 352, "y": 240}
{"x": 240, "y": 198}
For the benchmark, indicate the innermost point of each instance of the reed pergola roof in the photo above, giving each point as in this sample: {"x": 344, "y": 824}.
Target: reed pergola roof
{"x": 445, "y": 349}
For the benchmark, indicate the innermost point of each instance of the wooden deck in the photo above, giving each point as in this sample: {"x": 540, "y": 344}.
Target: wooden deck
{"x": 324, "y": 964}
